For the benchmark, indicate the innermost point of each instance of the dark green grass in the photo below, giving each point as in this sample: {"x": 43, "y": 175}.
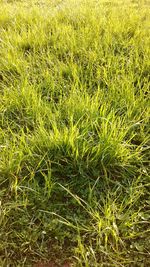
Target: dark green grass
{"x": 74, "y": 85}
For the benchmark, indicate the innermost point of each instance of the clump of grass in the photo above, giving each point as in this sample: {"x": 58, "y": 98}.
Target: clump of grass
{"x": 110, "y": 234}
{"x": 74, "y": 80}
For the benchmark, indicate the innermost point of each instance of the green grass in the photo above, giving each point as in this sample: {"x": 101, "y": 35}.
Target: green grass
{"x": 74, "y": 118}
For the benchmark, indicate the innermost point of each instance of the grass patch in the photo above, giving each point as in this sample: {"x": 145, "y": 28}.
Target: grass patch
{"x": 74, "y": 118}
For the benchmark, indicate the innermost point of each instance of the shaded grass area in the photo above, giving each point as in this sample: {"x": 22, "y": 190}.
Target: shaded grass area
{"x": 74, "y": 85}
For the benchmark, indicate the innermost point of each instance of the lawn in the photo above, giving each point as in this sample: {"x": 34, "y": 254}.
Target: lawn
{"x": 74, "y": 133}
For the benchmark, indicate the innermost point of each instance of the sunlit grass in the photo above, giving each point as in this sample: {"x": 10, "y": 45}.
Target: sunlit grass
{"x": 74, "y": 118}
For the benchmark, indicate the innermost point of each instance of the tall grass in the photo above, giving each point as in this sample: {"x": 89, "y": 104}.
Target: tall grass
{"x": 74, "y": 80}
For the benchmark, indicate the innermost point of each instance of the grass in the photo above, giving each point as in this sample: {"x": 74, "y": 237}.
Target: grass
{"x": 74, "y": 80}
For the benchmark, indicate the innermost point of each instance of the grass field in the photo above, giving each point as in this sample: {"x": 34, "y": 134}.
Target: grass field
{"x": 74, "y": 118}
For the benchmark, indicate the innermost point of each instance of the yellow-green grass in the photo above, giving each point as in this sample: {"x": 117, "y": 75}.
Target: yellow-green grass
{"x": 74, "y": 118}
